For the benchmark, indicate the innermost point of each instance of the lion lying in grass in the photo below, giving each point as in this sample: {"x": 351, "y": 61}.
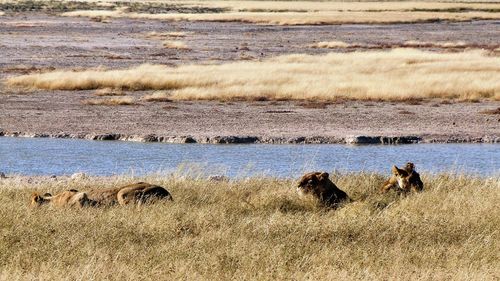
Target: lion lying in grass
{"x": 67, "y": 198}
{"x": 321, "y": 187}
{"x": 138, "y": 193}
{"x": 406, "y": 179}
{"x": 141, "y": 193}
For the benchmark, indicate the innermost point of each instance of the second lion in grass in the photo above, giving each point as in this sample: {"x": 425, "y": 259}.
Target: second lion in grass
{"x": 405, "y": 180}
{"x": 319, "y": 185}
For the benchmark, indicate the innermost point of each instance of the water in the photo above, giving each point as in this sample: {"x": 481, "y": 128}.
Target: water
{"x": 66, "y": 156}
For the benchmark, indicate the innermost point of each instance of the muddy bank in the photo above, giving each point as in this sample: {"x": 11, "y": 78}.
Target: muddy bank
{"x": 357, "y": 140}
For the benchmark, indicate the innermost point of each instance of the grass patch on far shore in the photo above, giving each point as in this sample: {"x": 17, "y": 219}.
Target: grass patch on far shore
{"x": 166, "y": 35}
{"x": 174, "y": 44}
{"x": 298, "y": 18}
{"x": 255, "y": 229}
{"x": 400, "y": 74}
{"x": 408, "y": 44}
{"x": 60, "y": 6}
{"x": 491, "y": 111}
{"x": 110, "y": 101}
{"x": 314, "y": 12}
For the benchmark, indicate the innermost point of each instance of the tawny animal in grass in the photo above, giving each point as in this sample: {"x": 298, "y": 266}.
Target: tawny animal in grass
{"x": 104, "y": 196}
{"x": 68, "y": 198}
{"x": 141, "y": 193}
{"x": 406, "y": 179}
{"x": 321, "y": 187}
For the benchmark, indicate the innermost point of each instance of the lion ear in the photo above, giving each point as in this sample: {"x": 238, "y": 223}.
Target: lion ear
{"x": 395, "y": 170}
{"x": 36, "y": 197}
{"x": 324, "y": 176}
{"x": 410, "y": 166}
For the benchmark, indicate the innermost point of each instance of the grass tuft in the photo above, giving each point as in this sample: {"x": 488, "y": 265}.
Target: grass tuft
{"x": 420, "y": 44}
{"x": 166, "y": 35}
{"x": 110, "y": 101}
{"x": 108, "y": 92}
{"x": 333, "y": 45}
{"x": 173, "y": 44}
{"x": 491, "y": 111}
{"x": 158, "y": 96}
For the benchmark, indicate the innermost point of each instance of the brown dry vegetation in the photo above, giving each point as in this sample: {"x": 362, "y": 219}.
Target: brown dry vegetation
{"x": 407, "y": 44}
{"x": 165, "y": 35}
{"x": 108, "y": 92}
{"x": 333, "y": 44}
{"x": 158, "y": 96}
{"x": 491, "y": 111}
{"x": 173, "y": 44}
{"x": 298, "y": 18}
{"x": 420, "y": 44}
{"x": 400, "y": 74}
{"x": 312, "y": 6}
{"x": 110, "y": 101}
{"x": 315, "y": 12}
{"x": 256, "y": 229}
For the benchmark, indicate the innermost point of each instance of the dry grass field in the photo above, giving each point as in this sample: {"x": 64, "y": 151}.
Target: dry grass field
{"x": 268, "y": 12}
{"x": 313, "y": 12}
{"x": 298, "y": 18}
{"x": 256, "y": 229}
{"x": 400, "y": 74}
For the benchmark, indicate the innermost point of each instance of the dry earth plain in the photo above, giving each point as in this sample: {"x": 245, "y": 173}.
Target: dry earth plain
{"x": 39, "y": 42}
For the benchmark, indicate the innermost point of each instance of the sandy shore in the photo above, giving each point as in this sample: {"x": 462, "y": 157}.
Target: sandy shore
{"x": 37, "y": 42}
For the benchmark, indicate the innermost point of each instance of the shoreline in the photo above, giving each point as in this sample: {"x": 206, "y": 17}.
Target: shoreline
{"x": 235, "y": 139}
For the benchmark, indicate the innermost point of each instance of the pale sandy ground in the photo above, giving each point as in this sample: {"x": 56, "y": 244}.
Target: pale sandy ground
{"x": 34, "y": 42}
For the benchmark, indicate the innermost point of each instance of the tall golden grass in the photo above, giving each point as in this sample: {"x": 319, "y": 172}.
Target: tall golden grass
{"x": 256, "y": 229}
{"x": 298, "y": 18}
{"x": 395, "y": 75}
{"x": 312, "y": 6}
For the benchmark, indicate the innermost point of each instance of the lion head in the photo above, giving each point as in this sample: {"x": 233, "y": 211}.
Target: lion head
{"x": 405, "y": 179}
{"x": 321, "y": 187}
{"x": 68, "y": 198}
{"x": 37, "y": 199}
